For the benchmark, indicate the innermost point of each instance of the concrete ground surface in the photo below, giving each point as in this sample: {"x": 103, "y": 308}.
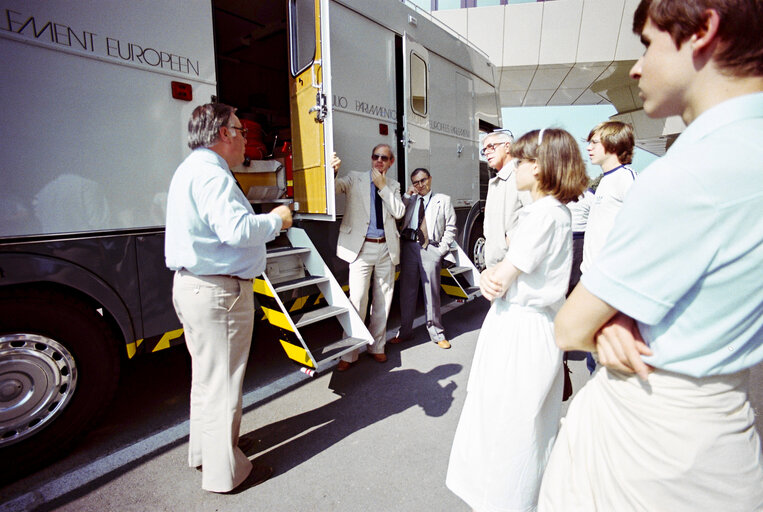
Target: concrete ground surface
{"x": 374, "y": 438}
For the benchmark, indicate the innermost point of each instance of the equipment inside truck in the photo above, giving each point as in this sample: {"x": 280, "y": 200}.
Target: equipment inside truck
{"x": 252, "y": 75}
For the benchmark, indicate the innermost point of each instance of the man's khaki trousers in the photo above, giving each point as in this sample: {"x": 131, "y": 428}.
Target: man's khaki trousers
{"x": 217, "y": 313}
{"x": 372, "y": 269}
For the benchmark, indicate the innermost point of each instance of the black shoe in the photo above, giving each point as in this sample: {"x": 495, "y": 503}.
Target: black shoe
{"x": 247, "y": 444}
{"x": 258, "y": 475}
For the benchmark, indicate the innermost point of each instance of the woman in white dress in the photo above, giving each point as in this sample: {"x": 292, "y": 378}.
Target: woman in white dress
{"x": 514, "y": 394}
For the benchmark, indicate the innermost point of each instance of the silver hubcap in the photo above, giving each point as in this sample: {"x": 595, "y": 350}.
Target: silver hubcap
{"x": 38, "y": 377}
{"x": 479, "y": 253}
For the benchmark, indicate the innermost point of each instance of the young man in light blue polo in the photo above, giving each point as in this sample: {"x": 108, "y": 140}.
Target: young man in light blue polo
{"x": 673, "y": 302}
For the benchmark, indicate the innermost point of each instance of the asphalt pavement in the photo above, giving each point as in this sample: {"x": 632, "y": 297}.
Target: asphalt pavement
{"x": 374, "y": 438}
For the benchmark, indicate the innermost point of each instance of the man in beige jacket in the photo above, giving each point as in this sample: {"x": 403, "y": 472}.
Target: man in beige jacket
{"x": 369, "y": 241}
{"x": 503, "y": 199}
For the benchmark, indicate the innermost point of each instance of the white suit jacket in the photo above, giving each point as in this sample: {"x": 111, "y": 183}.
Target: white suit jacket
{"x": 440, "y": 218}
{"x": 357, "y": 214}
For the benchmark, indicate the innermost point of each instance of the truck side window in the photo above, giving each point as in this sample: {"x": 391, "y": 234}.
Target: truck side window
{"x": 418, "y": 84}
{"x": 301, "y": 35}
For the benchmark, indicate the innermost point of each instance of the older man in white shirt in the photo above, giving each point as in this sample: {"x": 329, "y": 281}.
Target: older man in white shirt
{"x": 216, "y": 244}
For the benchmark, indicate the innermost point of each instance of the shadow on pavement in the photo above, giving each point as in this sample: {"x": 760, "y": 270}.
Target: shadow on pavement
{"x": 368, "y": 393}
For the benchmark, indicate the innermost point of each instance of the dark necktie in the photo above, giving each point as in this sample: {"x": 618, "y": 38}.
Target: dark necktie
{"x": 423, "y": 232}
{"x": 378, "y": 207}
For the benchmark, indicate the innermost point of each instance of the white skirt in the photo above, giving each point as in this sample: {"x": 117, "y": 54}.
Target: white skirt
{"x": 676, "y": 444}
{"x": 511, "y": 413}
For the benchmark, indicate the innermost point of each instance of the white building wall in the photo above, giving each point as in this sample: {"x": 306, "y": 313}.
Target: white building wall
{"x": 564, "y": 52}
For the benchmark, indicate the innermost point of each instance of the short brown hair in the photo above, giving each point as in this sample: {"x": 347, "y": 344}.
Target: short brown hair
{"x": 616, "y": 137}
{"x": 562, "y": 172}
{"x": 740, "y": 52}
{"x": 206, "y": 121}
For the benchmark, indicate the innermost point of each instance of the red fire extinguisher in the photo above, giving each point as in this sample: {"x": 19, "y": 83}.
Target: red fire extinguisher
{"x": 289, "y": 167}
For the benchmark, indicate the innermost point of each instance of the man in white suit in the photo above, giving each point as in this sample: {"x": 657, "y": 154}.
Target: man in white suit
{"x": 369, "y": 241}
{"x": 429, "y": 227}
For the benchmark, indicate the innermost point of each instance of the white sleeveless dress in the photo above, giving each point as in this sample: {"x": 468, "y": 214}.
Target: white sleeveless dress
{"x": 514, "y": 394}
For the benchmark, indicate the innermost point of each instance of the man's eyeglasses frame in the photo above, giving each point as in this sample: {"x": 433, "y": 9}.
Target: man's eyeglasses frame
{"x": 489, "y": 148}
{"x": 244, "y": 131}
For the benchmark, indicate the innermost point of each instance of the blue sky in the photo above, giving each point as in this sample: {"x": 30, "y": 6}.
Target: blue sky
{"x": 578, "y": 120}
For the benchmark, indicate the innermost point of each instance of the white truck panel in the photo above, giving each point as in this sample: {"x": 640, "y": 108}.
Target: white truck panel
{"x": 363, "y": 82}
{"x": 89, "y": 138}
{"x": 454, "y": 134}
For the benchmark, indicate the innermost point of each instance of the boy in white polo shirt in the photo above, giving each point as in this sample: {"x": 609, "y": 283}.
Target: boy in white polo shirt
{"x": 610, "y": 146}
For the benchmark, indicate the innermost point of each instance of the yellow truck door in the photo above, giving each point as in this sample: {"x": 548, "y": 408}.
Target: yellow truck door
{"x": 311, "y": 116}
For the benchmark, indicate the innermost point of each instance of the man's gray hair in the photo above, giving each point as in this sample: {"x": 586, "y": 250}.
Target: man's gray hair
{"x": 500, "y": 136}
{"x": 206, "y": 121}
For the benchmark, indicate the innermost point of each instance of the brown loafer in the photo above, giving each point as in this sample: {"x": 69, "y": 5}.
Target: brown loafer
{"x": 443, "y": 344}
{"x": 379, "y": 358}
{"x": 395, "y": 340}
{"x": 343, "y": 365}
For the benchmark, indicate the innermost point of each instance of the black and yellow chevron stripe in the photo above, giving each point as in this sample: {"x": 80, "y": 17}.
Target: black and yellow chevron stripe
{"x": 452, "y": 286}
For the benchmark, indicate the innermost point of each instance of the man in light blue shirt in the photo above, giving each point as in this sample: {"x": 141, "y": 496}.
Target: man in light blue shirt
{"x": 673, "y": 304}
{"x": 215, "y": 243}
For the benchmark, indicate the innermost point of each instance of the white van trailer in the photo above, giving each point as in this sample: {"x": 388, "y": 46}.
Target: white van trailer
{"x": 96, "y": 97}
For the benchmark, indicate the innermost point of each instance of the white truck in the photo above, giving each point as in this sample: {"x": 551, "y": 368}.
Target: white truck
{"x": 95, "y": 99}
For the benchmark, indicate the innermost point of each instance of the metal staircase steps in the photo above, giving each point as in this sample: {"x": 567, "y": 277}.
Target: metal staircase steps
{"x": 462, "y": 280}
{"x": 301, "y": 298}
{"x": 316, "y": 315}
{"x": 339, "y": 347}
{"x": 299, "y": 283}
{"x": 286, "y": 251}
{"x": 458, "y": 270}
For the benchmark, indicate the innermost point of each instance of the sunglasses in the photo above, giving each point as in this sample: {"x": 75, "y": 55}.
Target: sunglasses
{"x": 376, "y": 156}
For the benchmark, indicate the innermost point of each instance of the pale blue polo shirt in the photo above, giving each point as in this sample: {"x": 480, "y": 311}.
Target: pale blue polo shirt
{"x": 685, "y": 256}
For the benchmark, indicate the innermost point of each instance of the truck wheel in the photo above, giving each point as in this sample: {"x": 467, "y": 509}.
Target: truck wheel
{"x": 475, "y": 248}
{"x": 59, "y": 367}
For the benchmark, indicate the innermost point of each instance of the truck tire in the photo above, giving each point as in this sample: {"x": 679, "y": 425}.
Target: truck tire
{"x": 475, "y": 245}
{"x": 59, "y": 368}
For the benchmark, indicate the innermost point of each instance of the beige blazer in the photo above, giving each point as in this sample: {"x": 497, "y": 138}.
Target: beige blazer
{"x": 501, "y": 212}
{"x": 440, "y": 218}
{"x": 357, "y": 214}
